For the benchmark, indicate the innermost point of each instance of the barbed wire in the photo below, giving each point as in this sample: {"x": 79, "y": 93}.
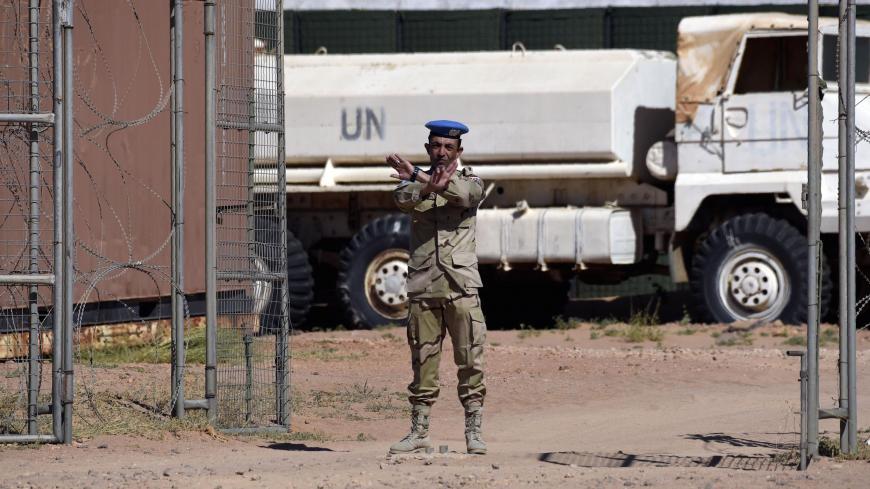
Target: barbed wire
{"x": 109, "y": 266}
{"x": 113, "y": 205}
{"x": 98, "y": 135}
{"x": 24, "y": 310}
{"x": 863, "y": 136}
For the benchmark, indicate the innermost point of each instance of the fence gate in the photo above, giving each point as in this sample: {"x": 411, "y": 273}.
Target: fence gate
{"x": 247, "y": 266}
{"x": 35, "y": 258}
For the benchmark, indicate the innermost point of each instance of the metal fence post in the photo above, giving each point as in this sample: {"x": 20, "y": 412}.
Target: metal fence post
{"x": 34, "y": 370}
{"x": 803, "y": 452}
{"x": 282, "y": 350}
{"x": 846, "y": 208}
{"x": 814, "y": 260}
{"x": 851, "y": 372}
{"x": 803, "y": 462}
{"x": 58, "y": 188}
{"x": 249, "y": 377}
{"x": 177, "y": 136}
{"x": 210, "y": 216}
{"x": 68, "y": 230}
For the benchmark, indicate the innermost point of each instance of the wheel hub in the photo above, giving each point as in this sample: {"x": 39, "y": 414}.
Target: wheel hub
{"x": 754, "y": 282}
{"x": 386, "y": 283}
{"x": 390, "y": 282}
{"x": 749, "y": 285}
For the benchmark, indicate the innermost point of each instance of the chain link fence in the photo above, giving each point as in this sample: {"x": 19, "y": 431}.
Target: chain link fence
{"x": 30, "y": 380}
{"x": 251, "y": 263}
{"x": 125, "y": 217}
{"x": 831, "y": 55}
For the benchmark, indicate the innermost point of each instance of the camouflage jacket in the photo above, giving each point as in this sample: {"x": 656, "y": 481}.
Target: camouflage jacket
{"x": 443, "y": 227}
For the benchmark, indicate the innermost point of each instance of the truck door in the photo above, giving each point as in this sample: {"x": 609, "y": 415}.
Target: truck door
{"x": 764, "y": 107}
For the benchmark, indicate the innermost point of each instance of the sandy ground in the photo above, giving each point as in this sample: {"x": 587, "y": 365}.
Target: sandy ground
{"x": 571, "y": 407}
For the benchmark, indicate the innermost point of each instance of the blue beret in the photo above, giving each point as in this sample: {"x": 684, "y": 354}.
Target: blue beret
{"x": 446, "y": 129}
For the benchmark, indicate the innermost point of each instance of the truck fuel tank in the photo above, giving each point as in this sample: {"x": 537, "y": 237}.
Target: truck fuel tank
{"x": 589, "y": 235}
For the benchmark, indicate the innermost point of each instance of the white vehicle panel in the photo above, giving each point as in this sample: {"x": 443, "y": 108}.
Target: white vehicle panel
{"x": 692, "y": 188}
{"x": 581, "y": 236}
{"x": 765, "y": 132}
{"x": 538, "y": 106}
{"x": 699, "y": 142}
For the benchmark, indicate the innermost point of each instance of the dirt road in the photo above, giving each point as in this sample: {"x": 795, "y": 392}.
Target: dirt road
{"x": 579, "y": 406}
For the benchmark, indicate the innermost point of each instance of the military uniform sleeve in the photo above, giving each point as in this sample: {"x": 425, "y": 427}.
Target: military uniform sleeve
{"x": 407, "y": 195}
{"x": 465, "y": 190}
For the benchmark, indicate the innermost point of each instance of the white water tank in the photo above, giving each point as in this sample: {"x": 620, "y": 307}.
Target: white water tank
{"x": 589, "y": 235}
{"x": 532, "y": 107}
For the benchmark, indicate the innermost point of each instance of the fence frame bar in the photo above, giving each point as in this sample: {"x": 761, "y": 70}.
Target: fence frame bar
{"x": 846, "y": 222}
{"x": 848, "y": 427}
{"x": 68, "y": 231}
{"x": 282, "y": 347}
{"x": 177, "y": 171}
{"x": 814, "y": 260}
{"x": 210, "y": 214}
{"x": 28, "y": 279}
{"x": 44, "y": 118}
{"x": 34, "y": 367}
{"x": 58, "y": 175}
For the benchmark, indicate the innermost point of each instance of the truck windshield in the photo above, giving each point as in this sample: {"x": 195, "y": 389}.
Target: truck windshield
{"x": 830, "y": 49}
{"x": 773, "y": 64}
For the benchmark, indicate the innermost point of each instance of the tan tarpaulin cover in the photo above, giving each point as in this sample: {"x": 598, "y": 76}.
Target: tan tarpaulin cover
{"x": 706, "y": 47}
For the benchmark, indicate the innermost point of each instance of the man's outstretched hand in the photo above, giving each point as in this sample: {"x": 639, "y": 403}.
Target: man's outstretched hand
{"x": 440, "y": 178}
{"x": 436, "y": 182}
{"x": 402, "y": 167}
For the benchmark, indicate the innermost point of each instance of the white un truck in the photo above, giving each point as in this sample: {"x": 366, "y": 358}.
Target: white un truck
{"x": 596, "y": 164}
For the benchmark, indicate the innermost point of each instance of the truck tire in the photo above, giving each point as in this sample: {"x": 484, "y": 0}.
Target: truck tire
{"x": 373, "y": 272}
{"x": 300, "y": 281}
{"x": 754, "y": 267}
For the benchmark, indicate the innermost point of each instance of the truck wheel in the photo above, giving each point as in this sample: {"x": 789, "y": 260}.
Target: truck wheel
{"x": 373, "y": 272}
{"x": 300, "y": 282}
{"x": 754, "y": 267}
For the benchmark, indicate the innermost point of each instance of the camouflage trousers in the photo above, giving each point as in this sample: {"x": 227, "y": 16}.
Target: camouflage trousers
{"x": 430, "y": 320}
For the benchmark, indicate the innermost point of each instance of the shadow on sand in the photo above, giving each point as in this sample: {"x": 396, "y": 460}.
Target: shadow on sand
{"x": 620, "y": 459}
{"x": 736, "y": 441}
{"x": 297, "y": 447}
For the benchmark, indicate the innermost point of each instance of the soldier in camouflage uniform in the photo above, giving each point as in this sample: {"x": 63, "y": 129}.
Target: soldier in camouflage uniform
{"x": 442, "y": 282}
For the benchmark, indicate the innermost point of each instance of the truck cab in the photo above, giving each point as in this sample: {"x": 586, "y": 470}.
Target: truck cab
{"x": 741, "y": 141}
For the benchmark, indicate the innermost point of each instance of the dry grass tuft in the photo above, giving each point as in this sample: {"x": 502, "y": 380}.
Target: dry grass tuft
{"x": 357, "y": 402}
{"x": 638, "y": 333}
{"x": 326, "y": 351}
{"x": 563, "y": 324}
{"x": 527, "y": 331}
{"x": 129, "y": 413}
{"x": 743, "y": 338}
{"x": 830, "y": 447}
{"x": 159, "y": 352}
